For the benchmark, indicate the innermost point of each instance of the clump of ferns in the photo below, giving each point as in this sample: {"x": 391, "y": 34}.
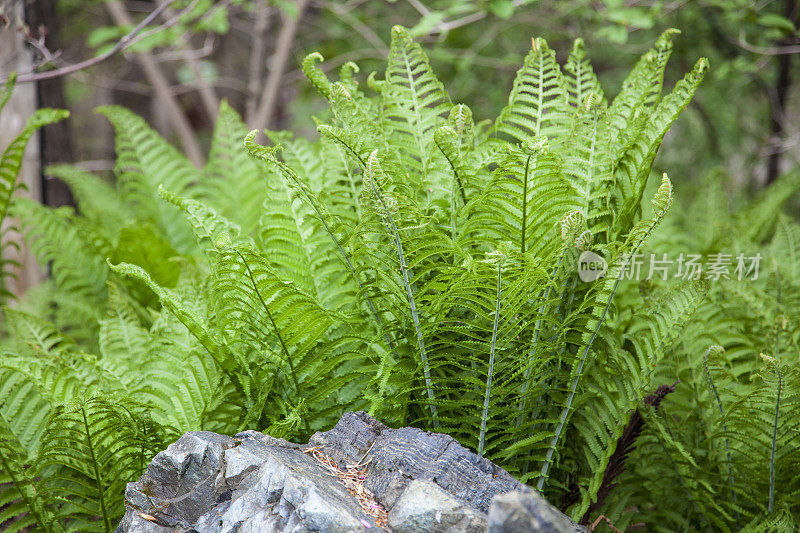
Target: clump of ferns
{"x": 409, "y": 262}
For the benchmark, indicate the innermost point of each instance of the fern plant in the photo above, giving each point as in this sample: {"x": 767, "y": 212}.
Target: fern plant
{"x": 725, "y": 439}
{"x": 10, "y": 164}
{"x": 409, "y": 262}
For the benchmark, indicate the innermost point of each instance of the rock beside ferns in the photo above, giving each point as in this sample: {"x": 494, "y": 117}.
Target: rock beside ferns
{"x": 422, "y": 481}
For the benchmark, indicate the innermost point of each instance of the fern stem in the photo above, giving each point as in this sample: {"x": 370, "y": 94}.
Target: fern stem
{"x": 774, "y": 441}
{"x": 347, "y": 261}
{"x": 409, "y": 293}
{"x": 535, "y": 341}
{"x": 404, "y": 270}
{"x": 582, "y": 361}
{"x": 524, "y": 206}
{"x": 371, "y": 306}
{"x": 490, "y": 373}
{"x": 285, "y": 350}
{"x": 724, "y": 426}
{"x": 420, "y": 136}
{"x": 352, "y": 269}
{"x": 289, "y": 171}
{"x": 457, "y": 179}
{"x": 90, "y": 446}
{"x": 453, "y": 208}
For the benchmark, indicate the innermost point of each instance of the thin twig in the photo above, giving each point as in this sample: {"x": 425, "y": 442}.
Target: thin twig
{"x": 365, "y": 31}
{"x": 468, "y": 19}
{"x": 172, "y": 21}
{"x": 420, "y": 7}
{"x": 121, "y": 45}
{"x": 597, "y": 523}
{"x": 766, "y": 50}
{"x": 197, "y": 53}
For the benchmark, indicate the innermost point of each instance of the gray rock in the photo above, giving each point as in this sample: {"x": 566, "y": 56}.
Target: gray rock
{"x": 206, "y": 482}
{"x": 527, "y": 511}
{"x": 400, "y": 455}
{"x": 180, "y": 484}
{"x": 424, "y": 506}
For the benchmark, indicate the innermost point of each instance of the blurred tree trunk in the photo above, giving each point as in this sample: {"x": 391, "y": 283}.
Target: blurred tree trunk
{"x": 15, "y": 55}
{"x": 263, "y": 117}
{"x": 257, "y": 61}
{"x": 782, "y": 86}
{"x": 55, "y": 140}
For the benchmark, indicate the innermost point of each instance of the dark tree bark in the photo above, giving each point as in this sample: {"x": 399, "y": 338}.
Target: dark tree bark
{"x": 55, "y": 141}
{"x": 778, "y": 100}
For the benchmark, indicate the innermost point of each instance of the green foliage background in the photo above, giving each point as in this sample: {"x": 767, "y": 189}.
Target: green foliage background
{"x": 475, "y": 46}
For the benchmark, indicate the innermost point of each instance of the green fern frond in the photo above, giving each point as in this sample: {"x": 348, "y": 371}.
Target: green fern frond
{"x": 212, "y": 229}
{"x": 95, "y": 443}
{"x": 122, "y": 341}
{"x": 456, "y": 140}
{"x": 526, "y": 199}
{"x": 8, "y": 88}
{"x": 96, "y": 199}
{"x": 605, "y": 295}
{"x": 414, "y": 102}
{"x": 11, "y": 159}
{"x": 25, "y": 405}
{"x": 10, "y": 164}
{"x": 580, "y": 79}
{"x": 627, "y": 377}
{"x": 233, "y": 182}
{"x": 194, "y": 323}
{"x": 300, "y": 249}
{"x": 315, "y": 76}
{"x": 74, "y": 249}
{"x": 145, "y": 161}
{"x": 634, "y": 167}
{"x": 538, "y": 103}
{"x": 641, "y": 89}
{"x": 782, "y": 521}
{"x": 588, "y": 163}
{"x": 22, "y": 502}
{"x": 757, "y": 220}
{"x": 373, "y": 178}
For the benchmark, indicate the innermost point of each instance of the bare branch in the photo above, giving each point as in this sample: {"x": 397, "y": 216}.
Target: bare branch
{"x": 767, "y": 50}
{"x": 121, "y": 45}
{"x": 198, "y": 53}
{"x": 420, "y": 7}
{"x": 365, "y": 31}
{"x": 283, "y": 48}
{"x": 445, "y": 27}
